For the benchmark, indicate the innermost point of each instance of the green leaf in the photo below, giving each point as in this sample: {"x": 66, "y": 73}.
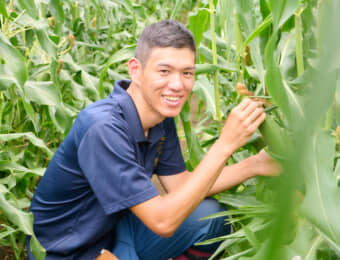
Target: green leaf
{"x": 223, "y": 64}
{"x": 122, "y": 55}
{"x": 19, "y": 169}
{"x": 282, "y": 11}
{"x": 205, "y": 68}
{"x": 275, "y": 137}
{"x": 40, "y": 27}
{"x": 178, "y": 6}
{"x": 205, "y": 90}
{"x": 31, "y": 137}
{"x": 3, "y": 10}
{"x": 306, "y": 241}
{"x": 321, "y": 205}
{"x": 29, "y": 6}
{"x": 62, "y": 118}
{"x": 37, "y": 249}
{"x": 195, "y": 150}
{"x": 31, "y": 114}
{"x": 57, "y": 10}
{"x": 42, "y": 93}
{"x": 45, "y": 42}
{"x": 238, "y": 201}
{"x": 15, "y": 62}
{"x": 6, "y": 233}
{"x": 278, "y": 89}
{"x": 21, "y": 219}
{"x": 90, "y": 83}
{"x": 247, "y": 18}
{"x": 198, "y": 24}
{"x": 6, "y": 78}
{"x": 24, "y": 221}
{"x": 251, "y": 237}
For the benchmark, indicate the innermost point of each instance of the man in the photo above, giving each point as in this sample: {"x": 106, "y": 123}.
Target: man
{"x": 97, "y": 193}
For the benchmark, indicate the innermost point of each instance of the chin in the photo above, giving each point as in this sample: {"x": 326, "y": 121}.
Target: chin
{"x": 171, "y": 113}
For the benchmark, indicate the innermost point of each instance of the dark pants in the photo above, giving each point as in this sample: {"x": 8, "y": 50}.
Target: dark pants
{"x": 134, "y": 241}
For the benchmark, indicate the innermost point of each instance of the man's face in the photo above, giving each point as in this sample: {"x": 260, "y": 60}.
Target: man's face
{"x": 166, "y": 80}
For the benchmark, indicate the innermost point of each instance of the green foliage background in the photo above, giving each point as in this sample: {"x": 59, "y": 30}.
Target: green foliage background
{"x": 59, "y": 56}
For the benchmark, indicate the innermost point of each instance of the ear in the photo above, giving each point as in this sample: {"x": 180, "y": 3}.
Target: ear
{"x": 135, "y": 70}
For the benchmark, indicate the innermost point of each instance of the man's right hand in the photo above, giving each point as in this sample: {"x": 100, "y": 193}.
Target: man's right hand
{"x": 241, "y": 123}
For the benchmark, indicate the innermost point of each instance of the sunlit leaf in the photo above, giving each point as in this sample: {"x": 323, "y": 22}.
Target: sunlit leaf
{"x": 42, "y": 93}
{"x": 205, "y": 90}
{"x": 14, "y": 60}
{"x": 31, "y": 137}
{"x": 282, "y": 10}
{"x": 198, "y": 24}
{"x": 29, "y": 6}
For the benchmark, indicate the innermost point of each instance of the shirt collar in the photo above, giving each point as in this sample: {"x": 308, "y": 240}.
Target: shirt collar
{"x": 131, "y": 114}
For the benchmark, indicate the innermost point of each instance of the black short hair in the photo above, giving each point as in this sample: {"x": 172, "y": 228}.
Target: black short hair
{"x": 166, "y": 33}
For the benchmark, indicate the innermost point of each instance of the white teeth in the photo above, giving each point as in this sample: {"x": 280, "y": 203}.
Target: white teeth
{"x": 171, "y": 98}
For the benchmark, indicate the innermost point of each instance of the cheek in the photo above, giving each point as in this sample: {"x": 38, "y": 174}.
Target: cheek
{"x": 189, "y": 85}
{"x": 159, "y": 82}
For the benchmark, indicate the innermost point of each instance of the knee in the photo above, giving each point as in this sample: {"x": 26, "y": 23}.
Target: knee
{"x": 208, "y": 207}
{"x": 211, "y": 228}
{"x": 217, "y": 225}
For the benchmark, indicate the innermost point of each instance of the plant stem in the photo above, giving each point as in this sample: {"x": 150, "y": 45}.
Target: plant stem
{"x": 239, "y": 44}
{"x": 214, "y": 52}
{"x": 298, "y": 37}
{"x": 42, "y": 10}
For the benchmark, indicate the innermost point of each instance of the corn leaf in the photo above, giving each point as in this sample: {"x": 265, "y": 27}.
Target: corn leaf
{"x": 42, "y": 93}
{"x": 246, "y": 14}
{"x": 205, "y": 91}
{"x": 15, "y": 62}
{"x": 3, "y": 10}
{"x": 31, "y": 137}
{"x": 24, "y": 222}
{"x": 21, "y": 170}
{"x": 321, "y": 205}
{"x": 198, "y": 23}
{"x": 57, "y": 11}
{"x": 282, "y": 10}
{"x": 275, "y": 136}
{"x": 29, "y": 6}
{"x": 278, "y": 89}
{"x": 195, "y": 150}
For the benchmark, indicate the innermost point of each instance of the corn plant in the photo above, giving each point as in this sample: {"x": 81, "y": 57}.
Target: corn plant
{"x": 59, "y": 56}
{"x": 56, "y": 58}
{"x": 285, "y": 53}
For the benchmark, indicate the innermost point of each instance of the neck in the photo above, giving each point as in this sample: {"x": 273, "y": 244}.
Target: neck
{"x": 147, "y": 118}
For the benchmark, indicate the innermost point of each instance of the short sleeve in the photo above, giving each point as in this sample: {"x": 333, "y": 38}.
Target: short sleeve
{"x": 107, "y": 158}
{"x": 170, "y": 159}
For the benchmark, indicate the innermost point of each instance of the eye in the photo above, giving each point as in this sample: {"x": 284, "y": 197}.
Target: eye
{"x": 188, "y": 74}
{"x": 164, "y": 72}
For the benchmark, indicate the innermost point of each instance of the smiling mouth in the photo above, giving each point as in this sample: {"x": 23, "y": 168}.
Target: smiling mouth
{"x": 171, "y": 98}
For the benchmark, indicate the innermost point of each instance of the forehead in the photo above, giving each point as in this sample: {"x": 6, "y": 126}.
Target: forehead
{"x": 175, "y": 57}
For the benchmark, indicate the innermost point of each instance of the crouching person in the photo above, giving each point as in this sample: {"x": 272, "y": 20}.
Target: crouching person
{"x": 97, "y": 191}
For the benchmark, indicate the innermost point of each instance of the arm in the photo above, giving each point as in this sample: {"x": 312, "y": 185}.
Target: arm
{"x": 163, "y": 215}
{"x": 261, "y": 164}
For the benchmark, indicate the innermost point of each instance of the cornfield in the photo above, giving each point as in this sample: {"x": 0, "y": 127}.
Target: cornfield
{"x": 59, "y": 56}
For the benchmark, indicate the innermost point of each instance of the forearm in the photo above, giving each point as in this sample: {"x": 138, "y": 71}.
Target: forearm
{"x": 163, "y": 215}
{"x": 172, "y": 209}
{"x": 233, "y": 175}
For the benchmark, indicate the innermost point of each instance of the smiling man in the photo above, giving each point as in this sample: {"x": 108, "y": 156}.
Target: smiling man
{"x": 97, "y": 191}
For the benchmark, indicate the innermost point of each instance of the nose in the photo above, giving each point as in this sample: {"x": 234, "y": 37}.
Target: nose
{"x": 175, "y": 82}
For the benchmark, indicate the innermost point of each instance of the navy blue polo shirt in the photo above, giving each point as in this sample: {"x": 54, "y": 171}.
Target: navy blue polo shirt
{"x": 102, "y": 168}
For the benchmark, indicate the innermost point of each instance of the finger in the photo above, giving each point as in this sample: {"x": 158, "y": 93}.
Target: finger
{"x": 253, "y": 116}
{"x": 251, "y": 108}
{"x": 258, "y": 121}
{"x": 244, "y": 103}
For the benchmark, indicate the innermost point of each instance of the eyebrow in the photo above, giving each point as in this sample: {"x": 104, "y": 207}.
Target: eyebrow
{"x": 169, "y": 66}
